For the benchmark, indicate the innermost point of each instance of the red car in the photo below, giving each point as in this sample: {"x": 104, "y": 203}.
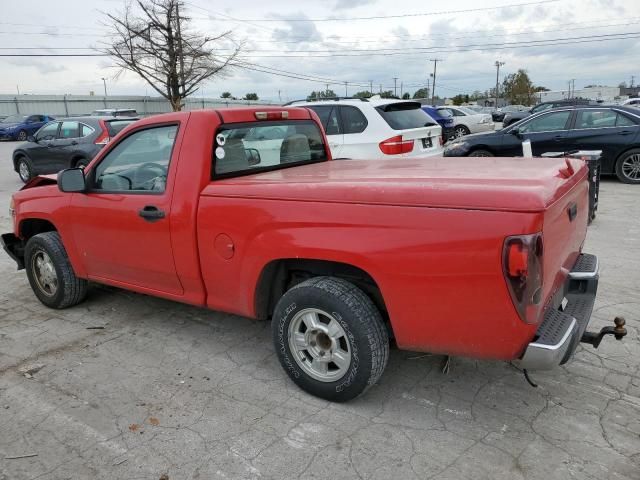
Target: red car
{"x": 243, "y": 210}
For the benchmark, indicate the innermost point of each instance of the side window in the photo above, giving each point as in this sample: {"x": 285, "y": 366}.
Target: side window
{"x": 456, "y": 113}
{"x": 549, "y": 122}
{"x": 85, "y": 130}
{"x": 542, "y": 107}
{"x": 32, "y": 119}
{"x": 69, "y": 130}
{"x": 353, "y": 121}
{"x": 48, "y": 132}
{"x": 623, "y": 121}
{"x": 139, "y": 163}
{"x": 328, "y": 117}
{"x": 595, "y": 119}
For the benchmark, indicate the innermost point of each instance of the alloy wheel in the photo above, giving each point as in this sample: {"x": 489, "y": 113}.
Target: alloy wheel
{"x": 631, "y": 167}
{"x": 44, "y": 273}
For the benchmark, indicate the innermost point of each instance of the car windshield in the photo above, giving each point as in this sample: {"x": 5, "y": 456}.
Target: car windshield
{"x": 15, "y": 119}
{"x": 404, "y": 115}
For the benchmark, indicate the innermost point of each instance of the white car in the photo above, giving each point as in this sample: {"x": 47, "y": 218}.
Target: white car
{"x": 632, "y": 102}
{"x": 467, "y": 121}
{"x": 377, "y": 127}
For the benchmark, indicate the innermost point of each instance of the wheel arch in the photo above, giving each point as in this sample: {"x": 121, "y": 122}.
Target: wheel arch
{"x": 280, "y": 275}
{"x": 480, "y": 147}
{"x": 33, "y": 226}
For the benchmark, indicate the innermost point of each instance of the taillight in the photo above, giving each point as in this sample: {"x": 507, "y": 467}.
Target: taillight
{"x": 440, "y": 140}
{"x": 272, "y": 115}
{"x": 103, "y": 138}
{"x": 522, "y": 263}
{"x": 396, "y": 145}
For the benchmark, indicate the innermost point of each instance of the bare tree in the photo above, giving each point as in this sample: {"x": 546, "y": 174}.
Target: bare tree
{"x": 157, "y": 44}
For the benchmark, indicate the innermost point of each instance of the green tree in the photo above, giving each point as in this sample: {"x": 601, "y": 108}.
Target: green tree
{"x": 421, "y": 93}
{"x": 387, "y": 94}
{"x": 518, "y": 88}
{"x": 319, "y": 95}
{"x": 226, "y": 95}
{"x": 460, "y": 99}
{"x": 363, "y": 94}
{"x": 251, "y": 96}
{"x": 541, "y": 89}
{"x": 406, "y": 96}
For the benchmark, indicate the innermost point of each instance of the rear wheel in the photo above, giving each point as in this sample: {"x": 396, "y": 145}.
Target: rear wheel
{"x": 481, "y": 153}
{"x": 330, "y": 338}
{"x": 460, "y": 131}
{"x": 22, "y": 136}
{"x": 50, "y": 273}
{"x": 628, "y": 166}
{"x": 81, "y": 163}
{"x": 25, "y": 169}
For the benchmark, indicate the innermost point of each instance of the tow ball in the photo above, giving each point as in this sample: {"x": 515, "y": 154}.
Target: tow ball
{"x": 595, "y": 338}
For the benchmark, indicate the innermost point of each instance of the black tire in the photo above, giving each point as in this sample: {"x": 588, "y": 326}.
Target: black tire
{"x": 70, "y": 290}
{"x": 628, "y": 167}
{"x": 362, "y": 327}
{"x": 22, "y": 136}
{"x": 81, "y": 163}
{"x": 481, "y": 153}
{"x": 460, "y": 131}
{"x": 24, "y": 169}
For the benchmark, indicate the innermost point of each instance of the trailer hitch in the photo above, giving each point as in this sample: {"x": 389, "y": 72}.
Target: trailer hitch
{"x": 595, "y": 338}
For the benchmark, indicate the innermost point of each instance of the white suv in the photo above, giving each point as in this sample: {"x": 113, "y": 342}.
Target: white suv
{"x": 376, "y": 127}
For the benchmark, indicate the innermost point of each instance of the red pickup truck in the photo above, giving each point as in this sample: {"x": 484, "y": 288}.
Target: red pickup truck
{"x": 243, "y": 210}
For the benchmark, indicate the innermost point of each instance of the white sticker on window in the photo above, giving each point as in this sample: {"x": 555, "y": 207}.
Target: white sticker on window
{"x": 220, "y": 152}
{"x": 221, "y": 139}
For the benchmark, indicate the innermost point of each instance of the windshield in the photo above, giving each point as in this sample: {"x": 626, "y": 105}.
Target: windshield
{"x": 15, "y": 119}
{"x": 405, "y": 115}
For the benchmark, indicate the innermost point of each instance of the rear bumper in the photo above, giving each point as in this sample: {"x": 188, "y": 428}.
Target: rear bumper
{"x": 562, "y": 328}
{"x": 14, "y": 248}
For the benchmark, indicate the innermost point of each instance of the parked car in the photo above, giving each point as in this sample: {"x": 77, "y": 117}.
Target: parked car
{"x": 371, "y": 128}
{"x": 615, "y": 130}
{"x": 443, "y": 256}
{"x": 512, "y": 117}
{"x": 467, "y": 121}
{"x": 115, "y": 112}
{"x": 444, "y": 119}
{"x": 632, "y": 102}
{"x": 499, "y": 113}
{"x": 64, "y": 143}
{"x": 19, "y": 127}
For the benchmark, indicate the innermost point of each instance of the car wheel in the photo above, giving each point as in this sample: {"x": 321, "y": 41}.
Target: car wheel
{"x": 628, "y": 166}
{"x": 330, "y": 338}
{"x": 25, "y": 170}
{"x": 22, "y": 136}
{"x": 481, "y": 153}
{"x": 50, "y": 273}
{"x": 460, "y": 131}
{"x": 81, "y": 163}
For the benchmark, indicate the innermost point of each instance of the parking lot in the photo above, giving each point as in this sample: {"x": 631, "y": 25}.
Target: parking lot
{"x": 127, "y": 386}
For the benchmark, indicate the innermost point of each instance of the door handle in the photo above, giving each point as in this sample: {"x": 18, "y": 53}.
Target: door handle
{"x": 74, "y": 142}
{"x": 557, "y": 138}
{"x": 625, "y": 132}
{"x": 151, "y": 213}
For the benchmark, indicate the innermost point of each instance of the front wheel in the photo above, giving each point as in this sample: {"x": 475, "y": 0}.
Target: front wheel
{"x": 50, "y": 273}
{"x": 628, "y": 166}
{"x": 22, "y": 136}
{"x": 460, "y": 131}
{"x": 330, "y": 338}
{"x": 481, "y": 153}
{"x": 25, "y": 170}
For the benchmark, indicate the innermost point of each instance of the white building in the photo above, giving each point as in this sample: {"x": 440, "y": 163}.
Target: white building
{"x": 603, "y": 94}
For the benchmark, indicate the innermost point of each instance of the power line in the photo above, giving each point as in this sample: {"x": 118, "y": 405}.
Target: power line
{"x": 404, "y": 15}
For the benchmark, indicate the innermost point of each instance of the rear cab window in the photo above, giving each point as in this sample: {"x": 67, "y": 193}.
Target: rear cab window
{"x": 404, "y": 115}
{"x": 245, "y": 148}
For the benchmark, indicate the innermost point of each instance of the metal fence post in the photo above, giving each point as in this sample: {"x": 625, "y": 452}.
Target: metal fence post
{"x": 17, "y": 104}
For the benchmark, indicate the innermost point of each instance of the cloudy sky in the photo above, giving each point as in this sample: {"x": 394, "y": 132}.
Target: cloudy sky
{"x": 592, "y": 41}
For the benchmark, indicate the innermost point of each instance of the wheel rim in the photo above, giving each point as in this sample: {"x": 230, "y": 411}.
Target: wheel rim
{"x": 319, "y": 345}
{"x": 479, "y": 154}
{"x": 460, "y": 132}
{"x": 23, "y": 169}
{"x": 44, "y": 273}
{"x": 22, "y": 136}
{"x": 631, "y": 167}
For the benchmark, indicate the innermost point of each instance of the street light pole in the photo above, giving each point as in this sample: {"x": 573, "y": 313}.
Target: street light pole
{"x": 395, "y": 86}
{"x": 433, "y": 86}
{"x": 498, "y": 64}
{"x": 104, "y": 81}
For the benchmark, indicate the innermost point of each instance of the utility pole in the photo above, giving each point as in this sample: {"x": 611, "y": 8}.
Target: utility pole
{"x": 370, "y": 87}
{"x": 180, "y": 52}
{"x": 633, "y": 79}
{"x": 573, "y": 87}
{"x": 279, "y": 97}
{"x": 498, "y": 64}
{"x": 428, "y": 86}
{"x": 433, "y": 87}
{"x": 401, "y": 88}
{"x": 395, "y": 86}
{"x": 345, "y": 89}
{"x": 104, "y": 81}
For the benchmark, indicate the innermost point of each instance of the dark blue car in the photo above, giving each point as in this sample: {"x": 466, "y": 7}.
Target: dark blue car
{"x": 19, "y": 127}
{"x": 444, "y": 119}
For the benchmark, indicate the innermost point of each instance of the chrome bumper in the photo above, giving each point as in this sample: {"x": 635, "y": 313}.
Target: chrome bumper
{"x": 562, "y": 328}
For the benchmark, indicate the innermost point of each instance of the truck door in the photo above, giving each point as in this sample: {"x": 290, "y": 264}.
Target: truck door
{"x": 121, "y": 224}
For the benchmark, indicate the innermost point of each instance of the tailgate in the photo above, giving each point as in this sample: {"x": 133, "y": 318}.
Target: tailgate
{"x": 425, "y": 138}
{"x": 564, "y": 230}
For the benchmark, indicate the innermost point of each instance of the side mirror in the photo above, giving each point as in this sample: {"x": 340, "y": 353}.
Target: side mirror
{"x": 253, "y": 156}
{"x": 31, "y": 138}
{"x": 515, "y": 131}
{"x": 71, "y": 180}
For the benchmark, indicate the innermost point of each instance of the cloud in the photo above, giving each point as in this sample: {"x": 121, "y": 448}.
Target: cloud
{"x": 347, "y": 4}
{"x": 302, "y": 32}
{"x": 43, "y": 66}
